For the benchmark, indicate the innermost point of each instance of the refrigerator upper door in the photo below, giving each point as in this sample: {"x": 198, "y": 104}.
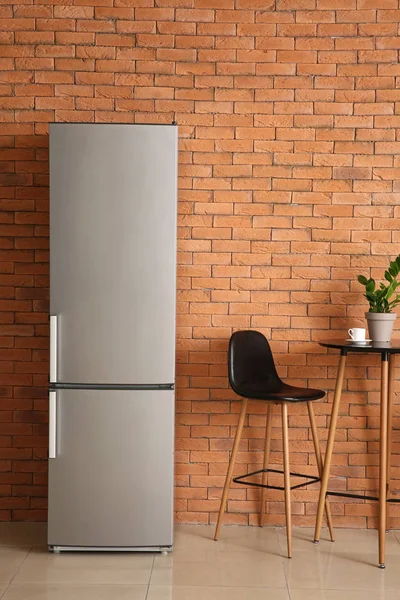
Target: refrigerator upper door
{"x": 113, "y": 203}
{"x": 111, "y": 481}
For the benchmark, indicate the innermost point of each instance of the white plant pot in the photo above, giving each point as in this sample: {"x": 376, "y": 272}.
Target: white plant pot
{"x": 380, "y": 326}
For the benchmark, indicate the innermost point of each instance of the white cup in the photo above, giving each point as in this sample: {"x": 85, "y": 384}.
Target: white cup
{"x": 357, "y": 334}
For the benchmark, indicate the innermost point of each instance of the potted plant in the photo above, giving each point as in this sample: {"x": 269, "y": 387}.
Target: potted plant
{"x": 380, "y": 317}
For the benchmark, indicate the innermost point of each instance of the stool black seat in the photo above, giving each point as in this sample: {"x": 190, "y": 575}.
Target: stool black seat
{"x": 252, "y": 372}
{"x": 253, "y": 375}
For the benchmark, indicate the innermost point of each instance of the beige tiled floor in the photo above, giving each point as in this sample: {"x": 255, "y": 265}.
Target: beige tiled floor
{"x": 247, "y": 563}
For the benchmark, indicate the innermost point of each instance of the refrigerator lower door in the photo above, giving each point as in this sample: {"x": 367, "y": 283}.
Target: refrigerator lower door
{"x": 111, "y": 481}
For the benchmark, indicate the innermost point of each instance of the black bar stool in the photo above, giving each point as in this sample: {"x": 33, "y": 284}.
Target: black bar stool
{"x": 253, "y": 375}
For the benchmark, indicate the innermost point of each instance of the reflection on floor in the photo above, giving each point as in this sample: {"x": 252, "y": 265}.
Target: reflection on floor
{"x": 247, "y": 563}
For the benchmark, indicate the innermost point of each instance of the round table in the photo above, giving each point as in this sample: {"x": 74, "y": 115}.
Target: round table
{"x": 387, "y": 350}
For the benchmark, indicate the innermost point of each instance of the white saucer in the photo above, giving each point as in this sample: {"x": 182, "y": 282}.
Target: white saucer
{"x": 358, "y": 341}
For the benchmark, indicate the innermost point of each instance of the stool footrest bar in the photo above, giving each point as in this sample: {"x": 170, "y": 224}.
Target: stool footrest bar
{"x": 242, "y": 479}
{"x": 359, "y": 496}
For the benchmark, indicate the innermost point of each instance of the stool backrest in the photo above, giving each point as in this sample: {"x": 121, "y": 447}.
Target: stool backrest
{"x": 250, "y": 359}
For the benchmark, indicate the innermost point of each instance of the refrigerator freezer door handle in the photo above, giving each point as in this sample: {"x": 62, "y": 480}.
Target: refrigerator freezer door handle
{"x": 53, "y": 348}
{"x": 52, "y": 424}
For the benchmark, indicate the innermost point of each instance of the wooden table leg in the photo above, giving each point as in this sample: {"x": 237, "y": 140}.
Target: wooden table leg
{"x": 329, "y": 448}
{"x": 267, "y": 449}
{"x": 320, "y": 464}
{"x": 392, "y": 359}
{"x": 286, "y": 474}
{"x": 383, "y": 457}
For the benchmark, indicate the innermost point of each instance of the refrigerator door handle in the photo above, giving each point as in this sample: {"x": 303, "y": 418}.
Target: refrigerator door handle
{"x": 53, "y": 348}
{"x": 52, "y": 424}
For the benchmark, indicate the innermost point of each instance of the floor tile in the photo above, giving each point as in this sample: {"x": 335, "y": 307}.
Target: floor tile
{"x": 29, "y": 591}
{"x": 346, "y": 540}
{"x": 261, "y": 539}
{"x": 160, "y": 592}
{"x": 342, "y": 595}
{"x": 199, "y": 543}
{"x": 11, "y": 559}
{"x": 345, "y": 571}
{"x": 303, "y": 540}
{"x": 247, "y": 563}
{"x": 23, "y": 534}
{"x": 112, "y": 568}
{"x": 254, "y": 569}
{"x": 397, "y": 535}
{"x": 200, "y": 537}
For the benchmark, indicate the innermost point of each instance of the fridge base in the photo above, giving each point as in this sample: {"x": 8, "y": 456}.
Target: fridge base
{"x": 59, "y": 549}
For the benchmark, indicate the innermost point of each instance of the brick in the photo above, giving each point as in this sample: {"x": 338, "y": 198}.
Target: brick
{"x": 54, "y": 51}
{"x": 93, "y": 26}
{"x": 132, "y": 26}
{"x": 50, "y": 77}
{"x": 73, "y": 90}
{"x": 375, "y": 83}
{"x": 54, "y": 25}
{"x": 108, "y": 12}
{"x": 32, "y": 37}
{"x": 256, "y": 4}
{"x": 376, "y": 4}
{"x": 335, "y": 83}
{"x": 353, "y": 43}
{"x": 74, "y": 64}
{"x": 388, "y": 16}
{"x": 352, "y": 173}
{"x": 22, "y": 64}
{"x": 105, "y": 39}
{"x": 297, "y": 30}
{"x": 16, "y": 24}
{"x": 387, "y": 148}
{"x": 387, "y": 42}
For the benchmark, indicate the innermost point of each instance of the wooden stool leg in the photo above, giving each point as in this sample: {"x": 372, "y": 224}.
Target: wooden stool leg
{"x": 383, "y": 457}
{"x": 320, "y": 464}
{"x": 286, "y": 473}
{"x": 266, "y": 460}
{"x": 329, "y": 448}
{"x": 235, "y": 449}
{"x": 392, "y": 358}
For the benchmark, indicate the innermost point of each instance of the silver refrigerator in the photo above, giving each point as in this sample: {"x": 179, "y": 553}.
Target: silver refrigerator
{"x": 113, "y": 205}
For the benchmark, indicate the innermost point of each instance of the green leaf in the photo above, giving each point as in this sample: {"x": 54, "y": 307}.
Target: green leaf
{"x": 370, "y": 285}
{"x": 391, "y": 289}
{"x": 370, "y": 297}
{"x": 380, "y": 293}
{"x": 394, "y": 267}
{"x": 372, "y": 301}
{"x": 363, "y": 280}
{"x": 395, "y": 302}
{"x": 388, "y": 276}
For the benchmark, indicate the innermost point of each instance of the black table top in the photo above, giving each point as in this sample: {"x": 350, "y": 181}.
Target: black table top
{"x": 392, "y": 347}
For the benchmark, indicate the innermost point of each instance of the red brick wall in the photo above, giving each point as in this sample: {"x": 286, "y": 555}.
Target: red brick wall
{"x": 289, "y": 119}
